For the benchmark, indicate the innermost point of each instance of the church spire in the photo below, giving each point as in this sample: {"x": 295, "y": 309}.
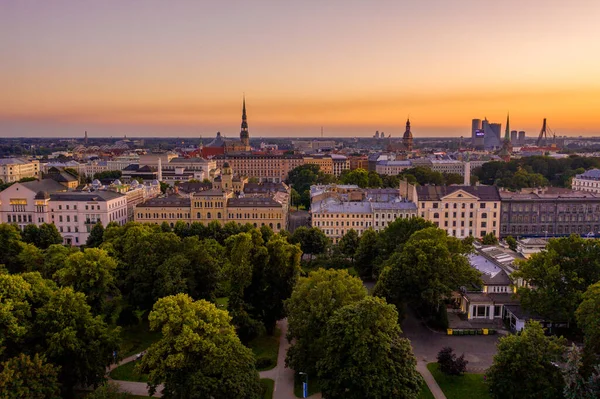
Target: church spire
{"x": 244, "y": 135}
{"x": 507, "y": 132}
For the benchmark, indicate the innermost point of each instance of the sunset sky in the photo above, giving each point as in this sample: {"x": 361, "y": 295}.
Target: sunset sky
{"x": 179, "y": 68}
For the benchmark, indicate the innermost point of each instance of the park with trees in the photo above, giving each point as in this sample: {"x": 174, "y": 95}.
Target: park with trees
{"x": 198, "y": 298}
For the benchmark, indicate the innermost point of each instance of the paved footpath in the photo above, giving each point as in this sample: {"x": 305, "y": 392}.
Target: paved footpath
{"x": 134, "y": 388}
{"x": 431, "y": 382}
{"x": 283, "y": 376}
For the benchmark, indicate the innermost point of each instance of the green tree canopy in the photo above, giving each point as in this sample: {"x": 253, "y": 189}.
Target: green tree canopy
{"x": 10, "y": 242}
{"x": 349, "y": 243}
{"x": 27, "y": 377}
{"x": 560, "y": 275}
{"x": 430, "y": 266}
{"x": 91, "y": 272}
{"x": 367, "y": 252}
{"x": 525, "y": 366}
{"x": 108, "y": 174}
{"x": 588, "y": 320}
{"x": 199, "y": 354}
{"x": 489, "y": 239}
{"x": 365, "y": 357}
{"x": 397, "y": 233}
{"x": 314, "y": 300}
{"x": 96, "y": 237}
{"x": 48, "y": 235}
{"x": 311, "y": 239}
{"x": 38, "y": 317}
{"x": 512, "y": 243}
{"x": 273, "y": 282}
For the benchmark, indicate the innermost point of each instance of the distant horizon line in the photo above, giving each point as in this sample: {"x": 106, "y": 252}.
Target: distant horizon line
{"x": 189, "y": 136}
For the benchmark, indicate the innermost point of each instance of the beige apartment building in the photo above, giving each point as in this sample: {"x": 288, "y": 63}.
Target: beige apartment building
{"x": 15, "y": 169}
{"x": 324, "y": 162}
{"x": 231, "y": 199}
{"x": 265, "y": 168}
{"x": 336, "y": 209}
{"x": 461, "y": 210}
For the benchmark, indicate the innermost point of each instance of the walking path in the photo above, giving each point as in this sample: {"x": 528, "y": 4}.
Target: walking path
{"x": 431, "y": 382}
{"x": 283, "y": 376}
{"x": 132, "y": 387}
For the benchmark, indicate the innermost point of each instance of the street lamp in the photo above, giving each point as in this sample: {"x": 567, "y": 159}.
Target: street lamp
{"x": 304, "y": 385}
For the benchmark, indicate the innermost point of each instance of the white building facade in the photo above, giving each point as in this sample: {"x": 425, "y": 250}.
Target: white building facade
{"x": 15, "y": 169}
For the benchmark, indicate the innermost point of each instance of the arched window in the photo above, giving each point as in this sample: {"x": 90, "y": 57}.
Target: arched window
{"x": 219, "y": 215}
{"x": 208, "y": 215}
{"x": 198, "y": 215}
{"x": 278, "y": 226}
{"x": 271, "y": 225}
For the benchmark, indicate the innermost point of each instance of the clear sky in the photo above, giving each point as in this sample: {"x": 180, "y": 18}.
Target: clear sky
{"x": 157, "y": 67}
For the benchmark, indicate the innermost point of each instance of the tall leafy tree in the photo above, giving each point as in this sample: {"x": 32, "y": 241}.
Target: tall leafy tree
{"x": 313, "y": 302}
{"x": 49, "y": 235}
{"x": 246, "y": 251}
{"x": 81, "y": 344}
{"x": 38, "y": 317}
{"x": 525, "y": 366}
{"x": 29, "y": 377}
{"x": 365, "y": 357}
{"x": 560, "y": 275}
{"x": 206, "y": 266}
{"x": 366, "y": 254}
{"x": 397, "y": 233}
{"x": 273, "y": 282}
{"x": 588, "y": 320}
{"x": 96, "y": 237}
{"x": 577, "y": 386}
{"x": 10, "y": 242}
{"x": 311, "y": 239}
{"x": 430, "y": 266}
{"x": 349, "y": 243}
{"x": 199, "y": 354}
{"x": 170, "y": 277}
{"x": 30, "y": 234}
{"x": 90, "y": 272}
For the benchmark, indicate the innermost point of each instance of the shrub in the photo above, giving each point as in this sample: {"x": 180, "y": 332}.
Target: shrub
{"x": 449, "y": 363}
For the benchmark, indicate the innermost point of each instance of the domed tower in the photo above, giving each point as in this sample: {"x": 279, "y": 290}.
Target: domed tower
{"x": 244, "y": 136}
{"x": 407, "y": 139}
{"x": 226, "y": 177}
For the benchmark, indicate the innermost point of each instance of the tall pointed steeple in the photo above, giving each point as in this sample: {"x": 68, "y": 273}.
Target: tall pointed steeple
{"x": 244, "y": 135}
{"x": 506, "y": 149}
{"x": 407, "y": 138}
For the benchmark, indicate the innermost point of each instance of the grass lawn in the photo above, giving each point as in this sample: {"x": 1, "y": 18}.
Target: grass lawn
{"x": 268, "y": 386}
{"x": 313, "y": 385}
{"x": 137, "y": 338}
{"x": 125, "y": 372}
{"x": 425, "y": 392}
{"x": 266, "y": 347}
{"x": 457, "y": 387}
{"x": 222, "y": 302}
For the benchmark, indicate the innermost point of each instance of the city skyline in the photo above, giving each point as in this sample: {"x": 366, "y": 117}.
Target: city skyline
{"x": 115, "y": 68}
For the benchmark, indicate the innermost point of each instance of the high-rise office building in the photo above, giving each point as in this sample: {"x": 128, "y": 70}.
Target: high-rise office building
{"x": 476, "y": 133}
{"x": 492, "y": 135}
{"x": 521, "y": 137}
{"x": 514, "y": 140}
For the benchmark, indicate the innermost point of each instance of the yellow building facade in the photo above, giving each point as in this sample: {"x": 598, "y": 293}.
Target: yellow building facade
{"x": 461, "y": 210}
